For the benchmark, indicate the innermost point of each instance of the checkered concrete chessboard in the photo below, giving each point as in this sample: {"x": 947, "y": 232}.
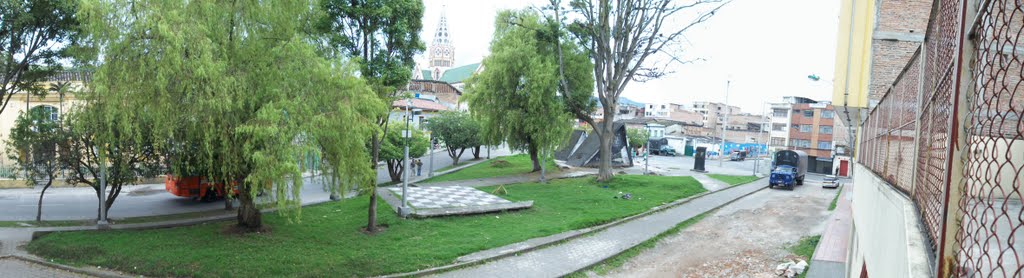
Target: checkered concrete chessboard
{"x": 432, "y": 197}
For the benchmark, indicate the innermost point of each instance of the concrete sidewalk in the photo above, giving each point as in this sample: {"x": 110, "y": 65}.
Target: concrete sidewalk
{"x": 830, "y": 255}
{"x": 580, "y": 253}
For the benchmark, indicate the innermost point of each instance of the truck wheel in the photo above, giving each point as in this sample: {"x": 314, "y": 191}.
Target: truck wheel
{"x": 771, "y": 186}
{"x": 799, "y": 181}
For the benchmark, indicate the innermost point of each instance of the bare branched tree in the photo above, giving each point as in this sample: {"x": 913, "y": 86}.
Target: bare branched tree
{"x": 620, "y": 37}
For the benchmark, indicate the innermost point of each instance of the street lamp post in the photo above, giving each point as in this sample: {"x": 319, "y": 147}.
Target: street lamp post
{"x": 102, "y": 223}
{"x": 430, "y": 172}
{"x": 404, "y": 211}
{"x": 725, "y": 124}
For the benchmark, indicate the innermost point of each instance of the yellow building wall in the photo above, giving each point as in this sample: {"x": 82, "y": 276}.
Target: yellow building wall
{"x": 853, "y": 53}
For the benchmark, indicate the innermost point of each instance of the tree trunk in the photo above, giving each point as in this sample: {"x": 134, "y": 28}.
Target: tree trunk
{"x": 371, "y": 214}
{"x": 455, "y": 154}
{"x": 249, "y": 217}
{"x": 227, "y": 197}
{"x": 371, "y": 225}
{"x": 39, "y": 208}
{"x": 476, "y": 152}
{"x": 395, "y": 169}
{"x": 604, "y": 172}
{"x": 534, "y": 157}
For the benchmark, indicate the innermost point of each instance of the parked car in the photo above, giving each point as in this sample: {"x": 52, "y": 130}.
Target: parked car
{"x": 738, "y": 156}
{"x": 664, "y": 150}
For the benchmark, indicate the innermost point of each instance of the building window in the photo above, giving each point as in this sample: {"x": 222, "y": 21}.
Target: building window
{"x": 801, "y": 143}
{"x": 805, "y": 128}
{"x": 809, "y": 113}
{"x": 825, "y": 129}
{"x": 779, "y": 127}
{"x": 778, "y": 141}
{"x": 827, "y": 114}
{"x": 824, "y": 145}
{"x": 779, "y": 113}
{"x": 662, "y": 106}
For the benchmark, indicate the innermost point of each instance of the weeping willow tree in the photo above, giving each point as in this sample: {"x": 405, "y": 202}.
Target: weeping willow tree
{"x": 238, "y": 88}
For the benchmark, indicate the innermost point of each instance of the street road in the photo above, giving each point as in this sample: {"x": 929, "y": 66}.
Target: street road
{"x": 80, "y": 203}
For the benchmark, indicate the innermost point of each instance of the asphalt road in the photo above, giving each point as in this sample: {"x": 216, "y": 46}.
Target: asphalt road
{"x": 80, "y": 203}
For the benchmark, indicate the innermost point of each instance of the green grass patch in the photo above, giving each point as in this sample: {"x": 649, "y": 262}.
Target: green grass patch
{"x": 839, "y": 191}
{"x": 328, "y": 241}
{"x": 517, "y": 164}
{"x": 733, "y": 180}
{"x": 620, "y": 259}
{"x": 805, "y": 248}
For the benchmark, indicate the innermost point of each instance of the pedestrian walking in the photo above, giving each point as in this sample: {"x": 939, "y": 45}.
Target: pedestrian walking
{"x": 419, "y": 167}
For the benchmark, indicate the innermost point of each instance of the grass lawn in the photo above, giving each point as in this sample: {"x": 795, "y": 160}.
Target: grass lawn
{"x": 517, "y": 164}
{"x": 733, "y": 180}
{"x": 832, "y": 206}
{"x": 805, "y": 248}
{"x": 328, "y": 242}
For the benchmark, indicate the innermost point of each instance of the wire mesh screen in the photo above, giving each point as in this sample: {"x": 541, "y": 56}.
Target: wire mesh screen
{"x": 991, "y": 234}
{"x": 891, "y": 127}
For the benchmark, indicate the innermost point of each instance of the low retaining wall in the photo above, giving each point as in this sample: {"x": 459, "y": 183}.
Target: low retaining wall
{"x": 888, "y": 238}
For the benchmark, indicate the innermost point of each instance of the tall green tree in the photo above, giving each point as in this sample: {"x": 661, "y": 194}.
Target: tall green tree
{"x": 34, "y": 36}
{"x": 384, "y": 36}
{"x": 32, "y": 145}
{"x": 458, "y": 130}
{"x": 393, "y": 150}
{"x": 94, "y": 134}
{"x": 242, "y": 83}
{"x": 627, "y": 41}
{"x": 517, "y": 98}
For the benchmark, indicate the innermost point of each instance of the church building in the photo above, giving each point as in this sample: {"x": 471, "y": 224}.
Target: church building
{"x": 440, "y": 79}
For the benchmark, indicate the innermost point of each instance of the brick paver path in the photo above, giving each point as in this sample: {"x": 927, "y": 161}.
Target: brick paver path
{"x": 576, "y": 254}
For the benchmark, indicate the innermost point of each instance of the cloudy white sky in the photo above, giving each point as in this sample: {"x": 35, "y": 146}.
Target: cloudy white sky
{"x": 766, "y": 49}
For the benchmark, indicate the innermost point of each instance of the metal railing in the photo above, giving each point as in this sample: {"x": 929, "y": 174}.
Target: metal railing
{"x": 949, "y": 133}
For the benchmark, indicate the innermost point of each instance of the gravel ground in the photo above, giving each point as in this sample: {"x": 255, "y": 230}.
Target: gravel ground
{"x": 747, "y": 238}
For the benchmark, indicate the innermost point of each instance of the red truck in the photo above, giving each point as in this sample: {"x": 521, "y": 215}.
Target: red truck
{"x": 195, "y": 187}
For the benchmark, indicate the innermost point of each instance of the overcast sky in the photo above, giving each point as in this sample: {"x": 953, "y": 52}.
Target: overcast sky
{"x": 766, "y": 48}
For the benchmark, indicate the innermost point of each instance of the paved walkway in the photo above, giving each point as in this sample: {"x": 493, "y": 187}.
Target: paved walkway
{"x": 830, "y": 255}
{"x": 580, "y": 253}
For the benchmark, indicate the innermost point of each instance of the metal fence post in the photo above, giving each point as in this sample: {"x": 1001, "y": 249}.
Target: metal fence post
{"x": 963, "y": 87}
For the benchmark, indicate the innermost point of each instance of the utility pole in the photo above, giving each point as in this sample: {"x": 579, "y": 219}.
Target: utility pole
{"x": 404, "y": 211}
{"x": 725, "y": 124}
{"x": 757, "y": 152}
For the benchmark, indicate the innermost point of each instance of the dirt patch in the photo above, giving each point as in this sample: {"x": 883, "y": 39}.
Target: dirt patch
{"x": 744, "y": 239}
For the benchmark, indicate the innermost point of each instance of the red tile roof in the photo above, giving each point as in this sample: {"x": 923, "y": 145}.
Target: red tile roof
{"x": 420, "y": 104}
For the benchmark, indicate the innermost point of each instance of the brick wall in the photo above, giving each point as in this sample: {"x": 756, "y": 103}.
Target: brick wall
{"x": 899, "y": 26}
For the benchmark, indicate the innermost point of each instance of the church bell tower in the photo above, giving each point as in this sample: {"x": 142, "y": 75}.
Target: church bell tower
{"x": 442, "y": 52}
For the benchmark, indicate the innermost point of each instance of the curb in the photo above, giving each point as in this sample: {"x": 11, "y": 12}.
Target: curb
{"x": 573, "y": 234}
{"x": 84, "y": 271}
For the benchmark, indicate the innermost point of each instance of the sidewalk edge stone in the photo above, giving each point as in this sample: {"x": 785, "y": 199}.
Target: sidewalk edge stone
{"x": 77, "y": 270}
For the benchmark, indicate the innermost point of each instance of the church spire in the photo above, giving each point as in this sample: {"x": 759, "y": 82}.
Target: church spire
{"x": 441, "y": 36}
{"x": 442, "y": 52}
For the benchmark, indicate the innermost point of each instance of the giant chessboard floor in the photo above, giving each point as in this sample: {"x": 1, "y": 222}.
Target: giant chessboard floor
{"x": 426, "y": 201}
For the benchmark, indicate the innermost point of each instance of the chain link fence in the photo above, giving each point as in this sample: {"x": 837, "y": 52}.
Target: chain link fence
{"x": 949, "y": 133}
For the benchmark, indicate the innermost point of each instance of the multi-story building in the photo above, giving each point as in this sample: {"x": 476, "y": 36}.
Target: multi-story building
{"x": 811, "y": 130}
{"x": 713, "y": 113}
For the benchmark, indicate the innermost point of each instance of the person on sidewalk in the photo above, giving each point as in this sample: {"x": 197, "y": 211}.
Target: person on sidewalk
{"x": 419, "y": 167}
